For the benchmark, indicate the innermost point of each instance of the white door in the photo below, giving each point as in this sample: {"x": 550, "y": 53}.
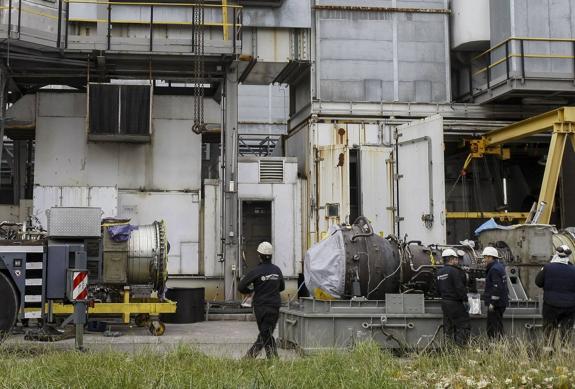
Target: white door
{"x": 333, "y": 184}
{"x": 421, "y": 181}
{"x": 377, "y": 188}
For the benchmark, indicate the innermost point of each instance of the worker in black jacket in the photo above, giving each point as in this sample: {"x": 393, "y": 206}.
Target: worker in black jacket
{"x": 451, "y": 281}
{"x": 496, "y": 295}
{"x": 557, "y": 279}
{"x": 266, "y": 282}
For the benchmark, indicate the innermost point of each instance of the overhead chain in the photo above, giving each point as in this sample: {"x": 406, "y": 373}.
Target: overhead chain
{"x": 198, "y": 45}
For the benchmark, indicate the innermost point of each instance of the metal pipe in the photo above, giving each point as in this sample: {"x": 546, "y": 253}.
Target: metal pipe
{"x": 522, "y": 50}
{"x": 109, "y": 35}
{"x": 380, "y": 9}
{"x": 507, "y": 58}
{"x": 396, "y": 182}
{"x": 9, "y": 18}
{"x": 19, "y": 17}
{"x": 505, "y": 191}
{"x": 151, "y": 28}
{"x": 383, "y": 324}
{"x": 59, "y": 33}
{"x": 66, "y": 24}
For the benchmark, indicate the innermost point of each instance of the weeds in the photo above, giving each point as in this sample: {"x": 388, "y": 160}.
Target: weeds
{"x": 508, "y": 363}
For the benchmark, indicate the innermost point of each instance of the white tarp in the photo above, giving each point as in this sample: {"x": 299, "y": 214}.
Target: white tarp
{"x": 324, "y": 265}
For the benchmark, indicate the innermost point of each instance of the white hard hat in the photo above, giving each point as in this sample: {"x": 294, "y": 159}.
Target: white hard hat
{"x": 265, "y": 248}
{"x": 490, "y": 251}
{"x": 448, "y": 253}
{"x": 563, "y": 251}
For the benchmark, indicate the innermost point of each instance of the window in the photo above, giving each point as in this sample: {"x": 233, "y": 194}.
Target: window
{"x": 119, "y": 112}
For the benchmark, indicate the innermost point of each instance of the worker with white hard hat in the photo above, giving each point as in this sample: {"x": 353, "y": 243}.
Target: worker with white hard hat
{"x": 496, "y": 294}
{"x": 266, "y": 282}
{"x": 451, "y": 285}
{"x": 557, "y": 279}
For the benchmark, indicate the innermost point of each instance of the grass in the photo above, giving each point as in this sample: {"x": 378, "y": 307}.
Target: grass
{"x": 482, "y": 365}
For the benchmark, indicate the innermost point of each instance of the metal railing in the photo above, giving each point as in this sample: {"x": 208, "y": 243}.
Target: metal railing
{"x": 508, "y": 60}
{"x": 257, "y": 145}
{"x": 231, "y": 18}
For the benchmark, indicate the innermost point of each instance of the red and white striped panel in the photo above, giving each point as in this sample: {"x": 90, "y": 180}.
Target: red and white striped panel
{"x": 80, "y": 284}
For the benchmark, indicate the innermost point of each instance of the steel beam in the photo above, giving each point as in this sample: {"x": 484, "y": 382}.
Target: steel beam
{"x": 551, "y": 175}
{"x": 3, "y": 96}
{"x": 230, "y": 203}
{"x": 528, "y": 127}
{"x": 487, "y": 215}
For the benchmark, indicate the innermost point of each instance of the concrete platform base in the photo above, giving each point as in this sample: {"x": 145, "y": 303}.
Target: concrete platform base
{"x": 229, "y": 339}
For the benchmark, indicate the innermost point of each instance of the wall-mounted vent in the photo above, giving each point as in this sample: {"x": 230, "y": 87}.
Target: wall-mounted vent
{"x": 271, "y": 170}
{"x": 119, "y": 113}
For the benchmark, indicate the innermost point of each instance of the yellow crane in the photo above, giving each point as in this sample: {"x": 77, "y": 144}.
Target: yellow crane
{"x": 561, "y": 123}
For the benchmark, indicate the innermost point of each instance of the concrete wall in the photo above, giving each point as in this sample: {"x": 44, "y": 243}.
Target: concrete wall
{"x": 155, "y": 181}
{"x": 382, "y": 56}
{"x": 263, "y": 109}
{"x": 292, "y": 14}
{"x": 286, "y": 220}
{"x": 65, "y": 158}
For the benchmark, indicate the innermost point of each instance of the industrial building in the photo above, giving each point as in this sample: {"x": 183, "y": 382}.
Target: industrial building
{"x": 242, "y": 121}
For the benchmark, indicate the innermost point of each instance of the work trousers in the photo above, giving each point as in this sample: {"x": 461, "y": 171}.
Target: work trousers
{"x": 495, "y": 322}
{"x": 456, "y": 323}
{"x": 557, "y": 319}
{"x": 267, "y": 318}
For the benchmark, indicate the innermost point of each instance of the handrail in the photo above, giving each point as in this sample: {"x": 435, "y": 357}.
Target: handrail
{"x": 510, "y": 53}
{"x": 152, "y": 3}
{"x": 61, "y": 15}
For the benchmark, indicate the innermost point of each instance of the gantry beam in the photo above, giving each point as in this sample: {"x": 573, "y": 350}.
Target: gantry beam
{"x": 560, "y": 121}
{"x": 528, "y": 127}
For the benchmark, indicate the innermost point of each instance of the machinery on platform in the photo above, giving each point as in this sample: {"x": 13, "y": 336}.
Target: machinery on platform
{"x": 79, "y": 267}
{"x": 365, "y": 286}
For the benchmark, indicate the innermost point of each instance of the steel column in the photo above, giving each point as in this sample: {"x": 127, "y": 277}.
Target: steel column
{"x": 551, "y": 175}
{"x": 3, "y": 96}
{"x": 229, "y": 182}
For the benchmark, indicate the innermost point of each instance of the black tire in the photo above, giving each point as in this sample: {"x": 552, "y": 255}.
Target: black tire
{"x": 8, "y": 306}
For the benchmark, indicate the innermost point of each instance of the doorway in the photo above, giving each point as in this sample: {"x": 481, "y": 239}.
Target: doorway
{"x": 256, "y": 228}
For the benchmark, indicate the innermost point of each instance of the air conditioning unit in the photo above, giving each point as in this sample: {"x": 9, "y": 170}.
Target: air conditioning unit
{"x": 119, "y": 112}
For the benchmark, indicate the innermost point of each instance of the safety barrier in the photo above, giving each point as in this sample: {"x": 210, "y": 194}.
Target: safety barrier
{"x": 227, "y": 17}
{"x": 510, "y": 60}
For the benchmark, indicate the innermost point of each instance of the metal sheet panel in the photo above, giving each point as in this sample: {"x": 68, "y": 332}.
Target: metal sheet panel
{"x": 212, "y": 222}
{"x": 176, "y": 151}
{"x": 180, "y": 211}
{"x": 422, "y": 180}
{"x": 45, "y": 197}
{"x": 74, "y": 196}
{"x": 333, "y": 182}
{"x": 191, "y": 265}
{"x": 376, "y": 188}
{"x": 104, "y": 197}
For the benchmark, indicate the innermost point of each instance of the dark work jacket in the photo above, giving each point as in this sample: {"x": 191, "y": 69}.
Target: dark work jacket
{"x": 268, "y": 282}
{"x": 451, "y": 281}
{"x": 558, "y": 283}
{"x": 496, "y": 291}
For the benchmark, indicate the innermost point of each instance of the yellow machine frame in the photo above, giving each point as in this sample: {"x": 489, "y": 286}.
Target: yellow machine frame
{"x": 130, "y": 306}
{"x": 561, "y": 122}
